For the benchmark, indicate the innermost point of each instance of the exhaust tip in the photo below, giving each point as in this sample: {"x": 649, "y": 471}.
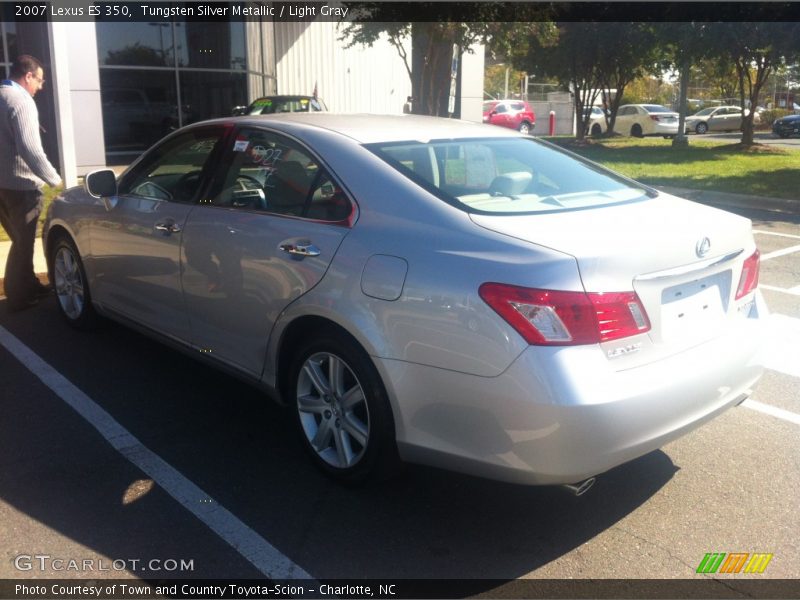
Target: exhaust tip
{"x": 580, "y": 488}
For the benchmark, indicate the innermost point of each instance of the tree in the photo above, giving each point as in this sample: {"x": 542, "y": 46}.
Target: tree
{"x": 432, "y": 41}
{"x": 627, "y": 52}
{"x": 573, "y": 60}
{"x": 756, "y": 50}
{"x": 590, "y": 59}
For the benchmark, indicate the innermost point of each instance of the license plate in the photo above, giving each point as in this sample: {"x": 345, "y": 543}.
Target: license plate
{"x": 695, "y": 309}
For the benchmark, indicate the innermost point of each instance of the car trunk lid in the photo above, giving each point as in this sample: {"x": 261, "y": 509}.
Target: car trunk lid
{"x": 684, "y": 261}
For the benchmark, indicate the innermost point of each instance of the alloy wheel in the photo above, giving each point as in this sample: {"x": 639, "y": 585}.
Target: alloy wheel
{"x": 333, "y": 410}
{"x": 68, "y": 283}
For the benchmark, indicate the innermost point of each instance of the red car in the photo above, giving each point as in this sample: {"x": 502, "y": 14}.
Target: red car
{"x": 516, "y": 114}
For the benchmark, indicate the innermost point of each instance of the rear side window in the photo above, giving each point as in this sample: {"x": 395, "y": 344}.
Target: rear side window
{"x": 507, "y": 175}
{"x": 270, "y": 173}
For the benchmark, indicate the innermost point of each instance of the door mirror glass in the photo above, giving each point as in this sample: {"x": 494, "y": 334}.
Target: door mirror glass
{"x": 101, "y": 184}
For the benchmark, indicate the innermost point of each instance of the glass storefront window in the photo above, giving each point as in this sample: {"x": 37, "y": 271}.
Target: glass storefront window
{"x": 135, "y": 44}
{"x": 139, "y": 107}
{"x": 206, "y": 95}
{"x": 211, "y": 45}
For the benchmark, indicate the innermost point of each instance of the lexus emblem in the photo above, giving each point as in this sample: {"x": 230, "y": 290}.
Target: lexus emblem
{"x": 702, "y": 247}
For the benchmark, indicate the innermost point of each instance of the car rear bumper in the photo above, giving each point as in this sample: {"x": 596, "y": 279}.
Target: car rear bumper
{"x": 560, "y": 415}
{"x": 664, "y": 129}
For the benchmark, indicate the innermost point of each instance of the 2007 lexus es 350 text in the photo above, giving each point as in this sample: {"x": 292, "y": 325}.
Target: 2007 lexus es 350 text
{"x": 424, "y": 289}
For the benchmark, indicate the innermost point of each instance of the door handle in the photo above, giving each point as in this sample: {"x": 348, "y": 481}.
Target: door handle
{"x": 300, "y": 249}
{"x": 167, "y": 228}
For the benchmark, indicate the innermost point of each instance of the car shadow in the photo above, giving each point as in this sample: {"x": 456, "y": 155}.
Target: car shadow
{"x": 243, "y": 452}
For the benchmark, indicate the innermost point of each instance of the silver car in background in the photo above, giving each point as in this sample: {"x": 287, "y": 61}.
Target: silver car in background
{"x": 424, "y": 289}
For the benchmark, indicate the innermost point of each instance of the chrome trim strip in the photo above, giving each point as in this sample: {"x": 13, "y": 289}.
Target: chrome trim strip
{"x": 686, "y": 269}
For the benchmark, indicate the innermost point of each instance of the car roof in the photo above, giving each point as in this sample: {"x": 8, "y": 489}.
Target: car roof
{"x": 368, "y": 128}
{"x": 284, "y": 97}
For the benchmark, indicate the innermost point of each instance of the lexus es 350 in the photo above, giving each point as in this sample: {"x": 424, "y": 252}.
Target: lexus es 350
{"x": 423, "y": 289}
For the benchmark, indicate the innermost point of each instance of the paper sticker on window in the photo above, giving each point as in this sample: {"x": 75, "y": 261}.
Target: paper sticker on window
{"x": 240, "y": 145}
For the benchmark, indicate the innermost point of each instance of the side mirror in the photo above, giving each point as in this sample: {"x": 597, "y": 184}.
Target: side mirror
{"x": 101, "y": 184}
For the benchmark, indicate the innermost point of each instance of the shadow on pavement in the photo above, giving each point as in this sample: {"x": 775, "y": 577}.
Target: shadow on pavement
{"x": 243, "y": 452}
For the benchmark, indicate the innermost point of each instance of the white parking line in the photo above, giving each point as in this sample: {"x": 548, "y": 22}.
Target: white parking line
{"x": 795, "y": 291}
{"x": 265, "y": 557}
{"x": 774, "y": 411}
{"x": 788, "y": 235}
{"x": 777, "y": 253}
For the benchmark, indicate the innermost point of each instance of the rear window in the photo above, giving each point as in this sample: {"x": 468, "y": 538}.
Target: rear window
{"x": 507, "y": 175}
{"x": 656, "y": 108}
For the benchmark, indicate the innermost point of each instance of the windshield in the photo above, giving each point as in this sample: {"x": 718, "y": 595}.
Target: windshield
{"x": 704, "y": 112}
{"x": 507, "y": 175}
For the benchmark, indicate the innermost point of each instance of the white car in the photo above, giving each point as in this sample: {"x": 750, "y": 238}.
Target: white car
{"x": 639, "y": 120}
{"x": 597, "y": 121}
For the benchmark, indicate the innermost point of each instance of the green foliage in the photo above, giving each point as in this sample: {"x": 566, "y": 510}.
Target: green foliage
{"x": 713, "y": 166}
{"x": 494, "y": 80}
{"x": 768, "y": 117}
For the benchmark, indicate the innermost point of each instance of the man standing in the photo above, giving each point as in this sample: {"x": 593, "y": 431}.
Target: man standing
{"x": 24, "y": 168}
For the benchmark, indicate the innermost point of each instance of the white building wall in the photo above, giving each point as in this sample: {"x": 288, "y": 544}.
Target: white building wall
{"x": 472, "y": 65}
{"x": 359, "y": 79}
{"x": 76, "y": 78}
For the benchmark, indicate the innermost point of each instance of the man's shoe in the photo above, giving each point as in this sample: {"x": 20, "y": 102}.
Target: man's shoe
{"x": 19, "y": 305}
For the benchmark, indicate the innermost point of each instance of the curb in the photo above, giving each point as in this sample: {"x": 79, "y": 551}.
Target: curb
{"x": 779, "y": 205}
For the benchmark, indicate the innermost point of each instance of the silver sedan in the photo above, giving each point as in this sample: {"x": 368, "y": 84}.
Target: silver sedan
{"x": 423, "y": 289}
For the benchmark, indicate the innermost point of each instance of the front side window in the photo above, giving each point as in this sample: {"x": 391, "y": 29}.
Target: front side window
{"x": 270, "y": 173}
{"x": 173, "y": 170}
{"x": 507, "y": 175}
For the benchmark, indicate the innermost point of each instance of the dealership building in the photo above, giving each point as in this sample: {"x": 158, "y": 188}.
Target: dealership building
{"x": 114, "y": 88}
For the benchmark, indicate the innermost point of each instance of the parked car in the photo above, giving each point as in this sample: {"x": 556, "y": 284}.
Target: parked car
{"x": 639, "y": 120}
{"x": 453, "y": 294}
{"x": 597, "y": 120}
{"x": 514, "y": 114}
{"x": 719, "y": 118}
{"x": 786, "y": 126}
{"x": 268, "y": 105}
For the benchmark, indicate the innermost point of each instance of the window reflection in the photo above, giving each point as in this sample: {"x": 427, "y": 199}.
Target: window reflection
{"x": 139, "y": 107}
{"x": 208, "y": 94}
{"x": 210, "y": 45}
{"x": 139, "y": 44}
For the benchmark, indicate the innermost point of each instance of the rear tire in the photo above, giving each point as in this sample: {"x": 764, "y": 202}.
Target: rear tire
{"x": 342, "y": 410}
{"x": 597, "y": 131}
{"x": 71, "y": 285}
{"x": 525, "y": 128}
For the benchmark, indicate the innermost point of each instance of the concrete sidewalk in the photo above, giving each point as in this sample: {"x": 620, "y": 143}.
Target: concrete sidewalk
{"x": 39, "y": 262}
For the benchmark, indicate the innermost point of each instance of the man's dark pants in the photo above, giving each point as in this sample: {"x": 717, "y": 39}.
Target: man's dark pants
{"x": 19, "y": 213}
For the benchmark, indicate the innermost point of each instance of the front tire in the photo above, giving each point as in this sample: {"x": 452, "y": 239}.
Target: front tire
{"x": 597, "y": 131}
{"x": 701, "y": 128}
{"x": 71, "y": 285}
{"x": 342, "y": 409}
{"x": 636, "y": 131}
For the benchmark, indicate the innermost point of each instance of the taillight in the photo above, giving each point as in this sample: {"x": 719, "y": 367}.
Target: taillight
{"x": 749, "y": 278}
{"x": 558, "y": 318}
{"x": 655, "y": 117}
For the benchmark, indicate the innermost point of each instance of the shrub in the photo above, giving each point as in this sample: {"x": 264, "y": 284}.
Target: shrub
{"x": 768, "y": 117}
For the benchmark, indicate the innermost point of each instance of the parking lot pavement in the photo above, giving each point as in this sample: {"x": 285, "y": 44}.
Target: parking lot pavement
{"x": 65, "y": 491}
